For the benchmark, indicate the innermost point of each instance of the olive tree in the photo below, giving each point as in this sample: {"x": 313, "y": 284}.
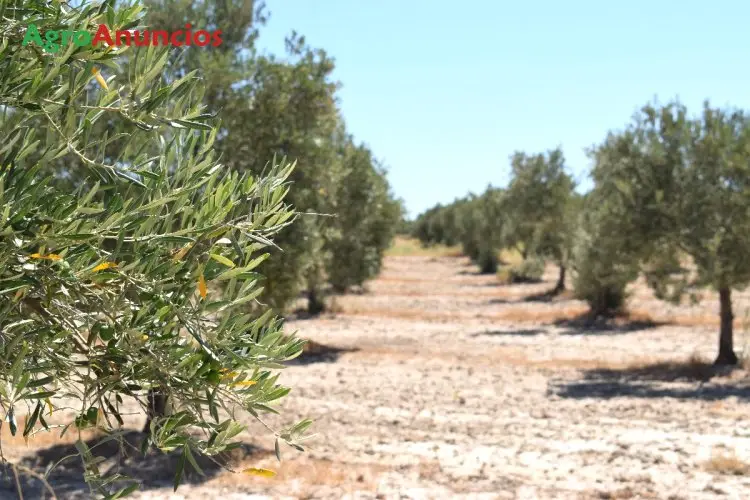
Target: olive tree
{"x": 110, "y": 288}
{"x": 539, "y": 208}
{"x": 680, "y": 185}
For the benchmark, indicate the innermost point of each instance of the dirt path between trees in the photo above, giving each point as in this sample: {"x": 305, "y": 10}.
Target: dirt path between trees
{"x": 449, "y": 385}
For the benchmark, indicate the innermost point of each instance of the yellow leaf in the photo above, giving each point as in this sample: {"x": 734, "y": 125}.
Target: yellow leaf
{"x": 144, "y": 337}
{"x": 244, "y": 383}
{"x": 259, "y": 472}
{"x": 99, "y": 78}
{"x": 103, "y": 266}
{"x": 52, "y": 256}
{"x": 49, "y": 406}
{"x": 202, "y": 286}
{"x": 182, "y": 251}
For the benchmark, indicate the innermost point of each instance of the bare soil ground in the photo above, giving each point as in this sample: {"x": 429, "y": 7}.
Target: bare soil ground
{"x": 446, "y": 384}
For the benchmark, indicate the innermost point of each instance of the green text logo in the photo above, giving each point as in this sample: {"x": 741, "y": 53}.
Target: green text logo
{"x": 53, "y": 40}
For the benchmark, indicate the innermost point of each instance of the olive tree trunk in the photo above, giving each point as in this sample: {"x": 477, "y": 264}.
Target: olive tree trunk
{"x": 560, "y": 286}
{"x": 726, "y": 341}
{"x": 315, "y": 304}
{"x": 157, "y": 407}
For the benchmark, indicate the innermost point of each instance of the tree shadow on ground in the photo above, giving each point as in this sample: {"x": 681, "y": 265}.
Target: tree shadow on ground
{"x": 494, "y": 284}
{"x": 325, "y": 304}
{"x": 302, "y": 314}
{"x": 530, "y": 332}
{"x": 154, "y": 470}
{"x": 585, "y": 324}
{"x": 545, "y": 297}
{"x": 669, "y": 379}
{"x": 521, "y": 280}
{"x": 476, "y": 272}
{"x": 505, "y": 301}
{"x": 314, "y": 352}
{"x": 552, "y": 295}
{"x": 438, "y": 258}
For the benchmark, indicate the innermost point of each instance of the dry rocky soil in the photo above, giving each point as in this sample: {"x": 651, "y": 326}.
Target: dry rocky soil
{"x": 442, "y": 383}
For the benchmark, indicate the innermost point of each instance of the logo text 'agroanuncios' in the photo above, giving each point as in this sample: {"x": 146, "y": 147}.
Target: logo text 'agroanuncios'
{"x": 54, "y": 39}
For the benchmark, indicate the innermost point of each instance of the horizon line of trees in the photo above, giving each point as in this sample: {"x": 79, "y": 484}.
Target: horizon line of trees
{"x": 670, "y": 202}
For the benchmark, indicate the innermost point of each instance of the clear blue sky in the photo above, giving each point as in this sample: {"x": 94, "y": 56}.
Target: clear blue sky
{"x": 444, "y": 92}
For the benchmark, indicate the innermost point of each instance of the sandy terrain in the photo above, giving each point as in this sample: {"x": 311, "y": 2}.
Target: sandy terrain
{"x": 450, "y": 385}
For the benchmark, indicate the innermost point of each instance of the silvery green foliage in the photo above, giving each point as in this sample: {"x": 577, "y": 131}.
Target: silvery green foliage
{"x": 111, "y": 289}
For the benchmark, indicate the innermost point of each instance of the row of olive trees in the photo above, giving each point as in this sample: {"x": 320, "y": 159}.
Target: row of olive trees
{"x": 533, "y": 216}
{"x": 671, "y": 202}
